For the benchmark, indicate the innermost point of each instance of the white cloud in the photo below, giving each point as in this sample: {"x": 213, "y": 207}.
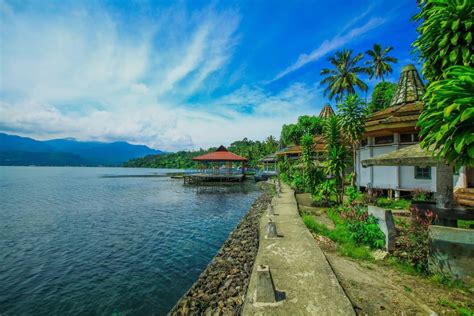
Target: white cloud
{"x": 82, "y": 74}
{"x": 330, "y": 45}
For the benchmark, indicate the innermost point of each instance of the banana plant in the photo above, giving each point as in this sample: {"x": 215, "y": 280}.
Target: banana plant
{"x": 445, "y": 35}
{"x": 447, "y": 120}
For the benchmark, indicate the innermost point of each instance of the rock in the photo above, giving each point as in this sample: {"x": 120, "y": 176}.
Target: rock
{"x": 380, "y": 255}
{"x": 221, "y": 288}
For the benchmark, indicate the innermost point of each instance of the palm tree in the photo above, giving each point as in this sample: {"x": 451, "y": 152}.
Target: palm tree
{"x": 343, "y": 78}
{"x": 352, "y": 117}
{"x": 380, "y": 61}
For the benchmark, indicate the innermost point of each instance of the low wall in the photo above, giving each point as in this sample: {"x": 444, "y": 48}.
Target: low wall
{"x": 452, "y": 252}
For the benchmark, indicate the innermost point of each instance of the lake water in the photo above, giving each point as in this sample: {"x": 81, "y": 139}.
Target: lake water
{"x": 89, "y": 241}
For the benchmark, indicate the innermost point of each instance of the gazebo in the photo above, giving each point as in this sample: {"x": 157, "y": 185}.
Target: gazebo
{"x": 218, "y": 166}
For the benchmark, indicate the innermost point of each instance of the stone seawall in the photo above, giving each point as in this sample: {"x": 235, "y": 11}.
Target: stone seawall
{"x": 222, "y": 287}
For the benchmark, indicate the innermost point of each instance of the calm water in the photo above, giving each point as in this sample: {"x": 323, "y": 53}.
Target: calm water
{"x": 75, "y": 242}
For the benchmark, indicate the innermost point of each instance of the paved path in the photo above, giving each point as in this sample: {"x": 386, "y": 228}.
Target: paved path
{"x": 298, "y": 266}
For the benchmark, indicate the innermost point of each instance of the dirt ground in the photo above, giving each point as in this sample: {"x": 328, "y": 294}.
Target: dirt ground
{"x": 375, "y": 288}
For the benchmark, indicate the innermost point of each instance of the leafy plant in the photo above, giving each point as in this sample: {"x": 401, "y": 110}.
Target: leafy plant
{"x": 363, "y": 227}
{"x": 447, "y": 120}
{"x": 393, "y": 204}
{"x": 420, "y": 195}
{"x": 445, "y": 35}
{"x": 412, "y": 245}
{"x": 353, "y": 194}
{"x": 336, "y": 161}
{"x": 379, "y": 62}
{"x": 325, "y": 192}
{"x": 343, "y": 78}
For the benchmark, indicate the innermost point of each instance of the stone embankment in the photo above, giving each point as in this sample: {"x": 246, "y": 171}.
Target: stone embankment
{"x": 221, "y": 288}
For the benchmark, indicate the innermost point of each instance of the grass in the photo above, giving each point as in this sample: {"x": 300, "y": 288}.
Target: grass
{"x": 462, "y": 310}
{"x": 464, "y": 224}
{"x": 401, "y": 204}
{"x": 341, "y": 236}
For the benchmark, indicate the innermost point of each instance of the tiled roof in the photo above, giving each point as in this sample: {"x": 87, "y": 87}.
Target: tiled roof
{"x": 410, "y": 88}
{"x": 405, "y": 105}
{"x": 326, "y": 111}
{"x": 221, "y": 154}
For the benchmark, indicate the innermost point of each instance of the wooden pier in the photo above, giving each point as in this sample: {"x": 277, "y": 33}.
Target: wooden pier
{"x": 199, "y": 178}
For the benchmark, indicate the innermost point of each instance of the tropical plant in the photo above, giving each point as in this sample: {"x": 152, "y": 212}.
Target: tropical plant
{"x": 336, "y": 161}
{"x": 364, "y": 229}
{"x": 445, "y": 35}
{"x": 379, "y": 63}
{"x": 343, "y": 78}
{"x": 447, "y": 120}
{"x": 325, "y": 192}
{"x": 353, "y": 114}
{"x": 381, "y": 96}
{"x": 412, "y": 245}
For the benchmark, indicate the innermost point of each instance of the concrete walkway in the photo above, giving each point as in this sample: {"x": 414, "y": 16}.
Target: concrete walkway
{"x": 300, "y": 271}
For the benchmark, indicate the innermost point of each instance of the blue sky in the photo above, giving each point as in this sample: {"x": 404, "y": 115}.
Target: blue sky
{"x": 180, "y": 74}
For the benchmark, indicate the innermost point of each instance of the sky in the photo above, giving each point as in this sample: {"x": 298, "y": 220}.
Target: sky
{"x": 179, "y": 75}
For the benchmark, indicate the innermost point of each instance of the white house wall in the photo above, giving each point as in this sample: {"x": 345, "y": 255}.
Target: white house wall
{"x": 390, "y": 177}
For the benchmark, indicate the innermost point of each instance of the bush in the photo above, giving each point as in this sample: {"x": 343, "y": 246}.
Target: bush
{"x": 363, "y": 227}
{"x": 412, "y": 245}
{"x": 353, "y": 194}
{"x": 400, "y": 204}
{"x": 325, "y": 193}
{"x": 420, "y": 195}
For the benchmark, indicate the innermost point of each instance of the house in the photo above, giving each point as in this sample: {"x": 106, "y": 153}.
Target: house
{"x": 393, "y": 129}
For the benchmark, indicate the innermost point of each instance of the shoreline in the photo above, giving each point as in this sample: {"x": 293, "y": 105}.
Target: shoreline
{"x": 222, "y": 286}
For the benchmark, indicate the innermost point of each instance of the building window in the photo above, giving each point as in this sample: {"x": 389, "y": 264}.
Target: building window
{"x": 384, "y": 140}
{"x": 363, "y": 142}
{"x": 422, "y": 172}
{"x": 409, "y": 138}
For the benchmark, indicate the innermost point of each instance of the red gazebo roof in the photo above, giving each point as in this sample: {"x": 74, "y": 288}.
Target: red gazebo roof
{"x": 221, "y": 154}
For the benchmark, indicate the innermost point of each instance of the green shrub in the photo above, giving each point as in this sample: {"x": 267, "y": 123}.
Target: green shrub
{"x": 393, "y": 204}
{"x": 412, "y": 244}
{"x": 325, "y": 193}
{"x": 353, "y": 194}
{"x": 362, "y": 226}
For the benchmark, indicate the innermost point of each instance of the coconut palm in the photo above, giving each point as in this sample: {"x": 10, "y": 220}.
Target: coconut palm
{"x": 343, "y": 78}
{"x": 380, "y": 61}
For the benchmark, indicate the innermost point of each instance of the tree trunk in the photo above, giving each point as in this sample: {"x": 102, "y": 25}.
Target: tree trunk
{"x": 354, "y": 164}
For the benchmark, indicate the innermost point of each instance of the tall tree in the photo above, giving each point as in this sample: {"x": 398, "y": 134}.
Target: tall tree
{"x": 381, "y": 96}
{"x": 343, "y": 77}
{"x": 353, "y": 115}
{"x": 379, "y": 63}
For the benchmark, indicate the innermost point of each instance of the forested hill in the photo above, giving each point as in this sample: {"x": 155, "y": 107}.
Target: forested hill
{"x": 24, "y": 151}
{"x": 253, "y": 150}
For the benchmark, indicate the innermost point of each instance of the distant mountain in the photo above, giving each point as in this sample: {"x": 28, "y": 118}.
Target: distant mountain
{"x": 16, "y": 150}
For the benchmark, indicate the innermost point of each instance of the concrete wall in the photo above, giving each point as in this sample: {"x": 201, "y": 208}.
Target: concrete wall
{"x": 452, "y": 252}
